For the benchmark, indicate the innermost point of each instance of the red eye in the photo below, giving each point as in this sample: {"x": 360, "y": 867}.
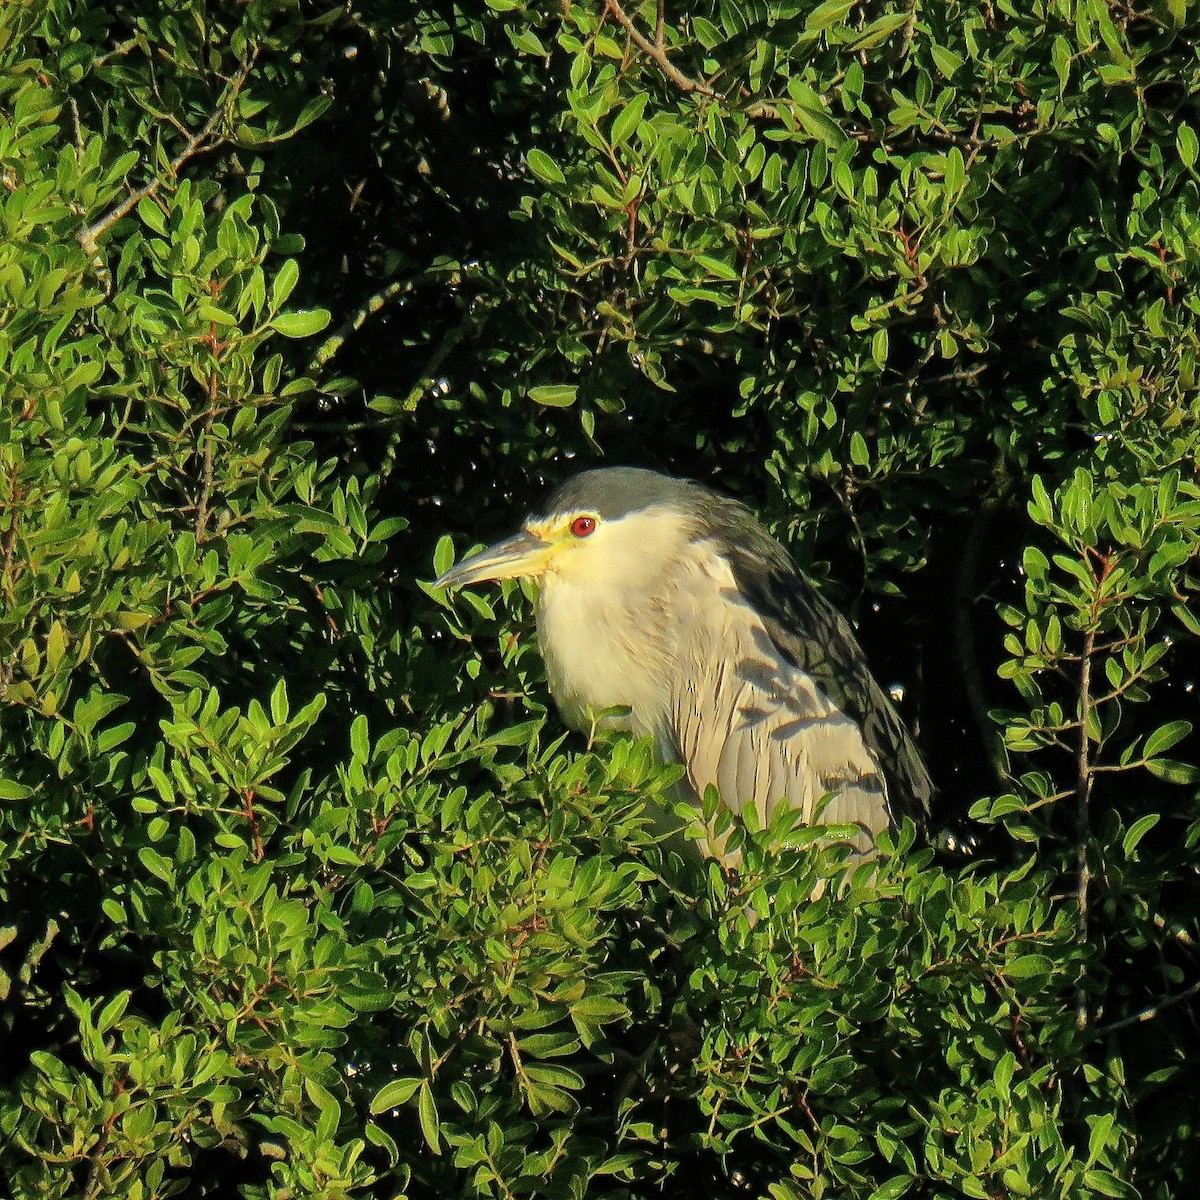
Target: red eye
{"x": 582, "y": 526}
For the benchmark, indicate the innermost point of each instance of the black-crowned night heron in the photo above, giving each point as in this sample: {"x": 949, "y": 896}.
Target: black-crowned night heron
{"x": 660, "y": 597}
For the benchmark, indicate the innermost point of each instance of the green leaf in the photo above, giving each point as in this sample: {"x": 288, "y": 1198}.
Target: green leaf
{"x": 554, "y": 395}
{"x": 109, "y": 739}
{"x": 544, "y": 167}
{"x": 527, "y": 42}
{"x": 820, "y": 126}
{"x": 548, "y": 1045}
{"x": 1039, "y": 507}
{"x": 879, "y": 348}
{"x": 394, "y": 1094}
{"x": 284, "y": 283}
{"x": 1035, "y": 563}
{"x": 152, "y": 215}
{"x": 384, "y": 1140}
{"x": 1102, "y": 1183}
{"x": 599, "y": 1010}
{"x": 831, "y": 12}
{"x": 1137, "y": 831}
{"x": 302, "y": 323}
{"x": 56, "y": 645}
{"x": 157, "y": 865}
{"x": 1187, "y": 144}
{"x": 443, "y": 555}
{"x": 628, "y": 119}
{"x": 715, "y": 266}
{"x": 1166, "y": 736}
{"x": 553, "y": 1075}
{"x": 513, "y": 735}
{"x": 946, "y": 61}
{"x": 312, "y": 111}
{"x": 1187, "y": 618}
{"x": 879, "y": 30}
{"x": 893, "y": 1189}
{"x": 1171, "y": 771}
{"x": 1029, "y": 966}
{"x": 428, "y": 1117}
{"x": 112, "y": 1012}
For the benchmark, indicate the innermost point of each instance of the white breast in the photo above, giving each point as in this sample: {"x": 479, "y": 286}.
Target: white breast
{"x": 591, "y": 664}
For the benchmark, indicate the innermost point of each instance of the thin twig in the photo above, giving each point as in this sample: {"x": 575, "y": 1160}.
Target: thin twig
{"x": 470, "y": 325}
{"x": 416, "y": 393}
{"x": 118, "y": 51}
{"x": 958, "y": 376}
{"x": 1150, "y": 1012}
{"x": 353, "y": 323}
{"x": 206, "y": 460}
{"x": 253, "y": 822}
{"x": 1083, "y": 792}
{"x": 89, "y": 236}
{"x": 657, "y": 50}
{"x": 9, "y": 549}
{"x": 1175, "y": 931}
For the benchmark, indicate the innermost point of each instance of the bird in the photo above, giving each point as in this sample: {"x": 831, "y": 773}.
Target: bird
{"x": 665, "y": 608}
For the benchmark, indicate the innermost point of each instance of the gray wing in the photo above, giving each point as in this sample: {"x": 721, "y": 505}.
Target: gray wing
{"x": 754, "y": 723}
{"x": 810, "y": 633}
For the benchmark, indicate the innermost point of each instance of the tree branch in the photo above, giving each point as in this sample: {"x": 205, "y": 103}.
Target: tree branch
{"x": 657, "y": 50}
{"x": 206, "y": 460}
{"x": 89, "y": 236}
{"x": 8, "y": 548}
{"x": 469, "y": 326}
{"x": 1150, "y": 1012}
{"x": 1083, "y": 793}
{"x": 355, "y": 321}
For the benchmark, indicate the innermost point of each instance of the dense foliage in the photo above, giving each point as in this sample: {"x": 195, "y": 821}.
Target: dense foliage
{"x": 305, "y": 890}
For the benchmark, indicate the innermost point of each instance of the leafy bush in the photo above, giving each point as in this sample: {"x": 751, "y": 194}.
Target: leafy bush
{"x": 305, "y": 891}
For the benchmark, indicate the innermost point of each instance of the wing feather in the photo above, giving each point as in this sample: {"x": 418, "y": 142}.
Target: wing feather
{"x": 749, "y": 720}
{"x": 808, "y": 632}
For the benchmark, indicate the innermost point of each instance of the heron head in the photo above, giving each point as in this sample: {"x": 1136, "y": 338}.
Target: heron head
{"x": 612, "y": 527}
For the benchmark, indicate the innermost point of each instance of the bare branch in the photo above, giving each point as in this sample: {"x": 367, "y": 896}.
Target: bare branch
{"x": 1083, "y": 794}
{"x": 8, "y": 548}
{"x": 1177, "y": 932}
{"x": 657, "y": 50}
{"x": 196, "y": 142}
{"x": 1150, "y": 1012}
{"x": 353, "y": 323}
{"x": 206, "y": 460}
